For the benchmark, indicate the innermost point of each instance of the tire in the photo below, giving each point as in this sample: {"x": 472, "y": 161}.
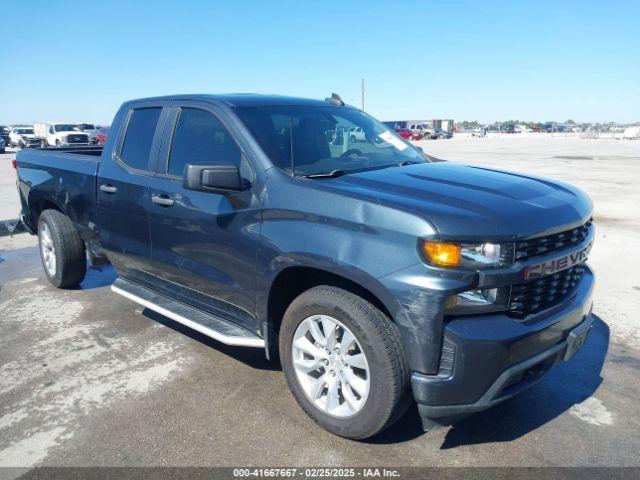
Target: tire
{"x": 59, "y": 239}
{"x": 376, "y": 336}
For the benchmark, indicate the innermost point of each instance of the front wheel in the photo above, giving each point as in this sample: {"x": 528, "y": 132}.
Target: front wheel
{"x": 63, "y": 252}
{"x": 343, "y": 361}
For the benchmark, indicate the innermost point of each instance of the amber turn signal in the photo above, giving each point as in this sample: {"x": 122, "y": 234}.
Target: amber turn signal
{"x": 443, "y": 254}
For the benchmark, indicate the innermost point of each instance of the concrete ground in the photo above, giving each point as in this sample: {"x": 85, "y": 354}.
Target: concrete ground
{"x": 89, "y": 378}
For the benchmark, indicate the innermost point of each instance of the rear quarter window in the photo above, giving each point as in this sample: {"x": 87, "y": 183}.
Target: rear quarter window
{"x": 138, "y": 138}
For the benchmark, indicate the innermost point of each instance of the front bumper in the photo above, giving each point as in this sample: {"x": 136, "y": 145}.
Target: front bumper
{"x": 489, "y": 358}
{"x": 31, "y": 143}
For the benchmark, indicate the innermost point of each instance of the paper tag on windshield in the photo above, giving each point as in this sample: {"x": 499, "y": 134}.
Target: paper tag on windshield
{"x": 393, "y": 140}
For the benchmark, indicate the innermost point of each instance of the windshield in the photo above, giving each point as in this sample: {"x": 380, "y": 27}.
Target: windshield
{"x": 66, "y": 128}
{"x": 323, "y": 139}
{"x": 24, "y": 131}
{"x": 86, "y": 126}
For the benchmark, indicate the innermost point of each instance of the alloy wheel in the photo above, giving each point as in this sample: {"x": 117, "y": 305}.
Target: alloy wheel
{"x": 331, "y": 366}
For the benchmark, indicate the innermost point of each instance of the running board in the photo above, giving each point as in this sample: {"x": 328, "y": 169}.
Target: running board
{"x": 210, "y": 325}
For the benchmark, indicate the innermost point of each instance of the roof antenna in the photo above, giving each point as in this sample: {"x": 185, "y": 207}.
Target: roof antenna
{"x": 335, "y": 99}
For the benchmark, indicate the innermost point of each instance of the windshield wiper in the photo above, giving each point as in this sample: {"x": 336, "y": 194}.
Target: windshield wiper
{"x": 339, "y": 173}
{"x": 331, "y": 174}
{"x": 406, "y": 162}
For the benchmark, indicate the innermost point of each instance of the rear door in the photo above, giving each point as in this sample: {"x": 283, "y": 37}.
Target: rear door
{"x": 123, "y": 187}
{"x": 204, "y": 244}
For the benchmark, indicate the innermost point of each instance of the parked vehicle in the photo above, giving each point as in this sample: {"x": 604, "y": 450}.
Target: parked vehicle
{"x": 4, "y": 133}
{"x": 408, "y": 134}
{"x": 2, "y": 145}
{"x": 393, "y": 125}
{"x": 376, "y": 273}
{"x": 91, "y": 130}
{"x": 441, "y": 133}
{"x": 356, "y": 134}
{"x": 23, "y": 137}
{"x": 479, "y": 132}
{"x": 102, "y": 134}
{"x": 631, "y": 133}
{"x": 422, "y": 129}
{"x": 60, "y": 134}
{"x": 508, "y": 128}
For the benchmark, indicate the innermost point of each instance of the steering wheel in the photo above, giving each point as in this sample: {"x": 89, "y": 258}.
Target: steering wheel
{"x": 350, "y": 153}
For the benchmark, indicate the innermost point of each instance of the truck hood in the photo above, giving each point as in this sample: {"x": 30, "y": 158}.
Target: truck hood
{"x": 466, "y": 202}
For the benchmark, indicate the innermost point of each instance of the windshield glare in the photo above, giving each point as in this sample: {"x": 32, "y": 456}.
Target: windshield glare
{"x": 320, "y": 140}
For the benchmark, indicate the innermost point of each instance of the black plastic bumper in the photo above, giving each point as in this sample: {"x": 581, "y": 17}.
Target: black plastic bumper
{"x": 490, "y": 358}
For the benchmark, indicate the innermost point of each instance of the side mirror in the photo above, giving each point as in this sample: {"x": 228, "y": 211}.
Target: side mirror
{"x": 212, "y": 178}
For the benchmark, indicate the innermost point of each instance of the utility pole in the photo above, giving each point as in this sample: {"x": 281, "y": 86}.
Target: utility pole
{"x": 362, "y": 92}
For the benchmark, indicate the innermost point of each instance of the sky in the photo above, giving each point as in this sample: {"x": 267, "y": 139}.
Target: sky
{"x": 467, "y": 60}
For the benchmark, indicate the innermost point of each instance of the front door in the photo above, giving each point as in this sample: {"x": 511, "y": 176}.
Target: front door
{"x": 204, "y": 244}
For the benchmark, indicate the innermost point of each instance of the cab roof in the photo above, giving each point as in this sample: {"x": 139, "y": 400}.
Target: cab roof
{"x": 243, "y": 99}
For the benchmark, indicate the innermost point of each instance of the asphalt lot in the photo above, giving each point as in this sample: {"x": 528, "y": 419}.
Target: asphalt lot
{"x": 89, "y": 378}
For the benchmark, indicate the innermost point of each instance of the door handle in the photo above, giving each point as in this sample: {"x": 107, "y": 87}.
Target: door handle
{"x": 162, "y": 200}
{"x": 108, "y": 189}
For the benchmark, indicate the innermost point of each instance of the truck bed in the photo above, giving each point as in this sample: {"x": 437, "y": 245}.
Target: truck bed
{"x": 62, "y": 178}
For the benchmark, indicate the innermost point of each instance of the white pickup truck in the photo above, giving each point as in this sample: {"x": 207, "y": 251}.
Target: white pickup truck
{"x": 60, "y": 134}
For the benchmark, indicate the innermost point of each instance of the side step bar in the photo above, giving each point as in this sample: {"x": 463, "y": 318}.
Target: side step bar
{"x": 203, "y": 322}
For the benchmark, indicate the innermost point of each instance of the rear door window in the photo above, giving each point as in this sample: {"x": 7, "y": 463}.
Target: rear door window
{"x": 136, "y": 146}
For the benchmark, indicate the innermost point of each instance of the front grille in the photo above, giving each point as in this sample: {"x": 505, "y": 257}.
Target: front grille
{"x": 76, "y": 139}
{"x": 536, "y": 295}
{"x": 551, "y": 243}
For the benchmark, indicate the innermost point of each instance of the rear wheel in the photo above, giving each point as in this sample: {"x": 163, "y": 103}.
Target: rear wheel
{"x": 343, "y": 362}
{"x": 63, "y": 253}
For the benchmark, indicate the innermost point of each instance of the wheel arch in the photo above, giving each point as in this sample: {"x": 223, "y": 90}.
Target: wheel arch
{"x": 37, "y": 205}
{"x": 294, "y": 280}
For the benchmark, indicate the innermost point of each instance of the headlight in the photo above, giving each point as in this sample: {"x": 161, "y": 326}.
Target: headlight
{"x": 468, "y": 255}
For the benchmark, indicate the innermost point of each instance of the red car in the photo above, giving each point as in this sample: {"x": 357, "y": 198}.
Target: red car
{"x": 102, "y": 134}
{"x": 408, "y": 134}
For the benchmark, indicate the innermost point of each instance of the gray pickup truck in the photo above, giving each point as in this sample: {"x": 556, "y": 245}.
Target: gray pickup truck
{"x": 378, "y": 275}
